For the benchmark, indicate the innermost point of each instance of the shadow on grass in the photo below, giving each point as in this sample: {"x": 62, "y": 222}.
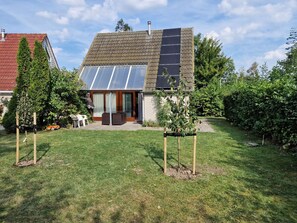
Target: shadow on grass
{"x": 117, "y": 216}
{"x": 157, "y": 155}
{"x": 268, "y": 177}
{"x": 42, "y": 150}
{"x": 23, "y": 199}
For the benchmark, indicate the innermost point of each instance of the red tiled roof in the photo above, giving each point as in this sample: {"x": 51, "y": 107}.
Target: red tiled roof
{"x": 8, "y": 57}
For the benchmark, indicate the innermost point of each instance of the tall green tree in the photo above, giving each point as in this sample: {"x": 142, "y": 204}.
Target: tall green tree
{"x": 122, "y": 26}
{"x": 210, "y": 61}
{"x": 22, "y": 84}
{"x": 39, "y": 89}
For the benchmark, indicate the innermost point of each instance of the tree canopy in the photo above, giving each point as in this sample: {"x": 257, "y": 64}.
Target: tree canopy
{"x": 210, "y": 61}
{"x": 122, "y": 26}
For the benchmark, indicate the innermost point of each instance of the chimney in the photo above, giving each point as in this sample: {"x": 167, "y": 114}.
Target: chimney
{"x": 2, "y": 34}
{"x": 149, "y": 27}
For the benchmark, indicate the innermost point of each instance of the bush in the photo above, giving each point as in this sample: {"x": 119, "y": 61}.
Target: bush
{"x": 267, "y": 108}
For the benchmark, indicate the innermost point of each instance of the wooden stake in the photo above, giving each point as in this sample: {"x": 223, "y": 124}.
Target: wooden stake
{"x": 165, "y": 151}
{"x": 194, "y": 152}
{"x": 178, "y": 148}
{"x": 17, "y": 155}
{"x": 34, "y": 137}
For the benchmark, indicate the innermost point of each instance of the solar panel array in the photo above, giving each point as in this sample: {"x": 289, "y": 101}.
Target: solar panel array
{"x": 169, "y": 57}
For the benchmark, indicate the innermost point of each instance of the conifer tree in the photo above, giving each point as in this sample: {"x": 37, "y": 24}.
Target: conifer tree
{"x": 39, "y": 81}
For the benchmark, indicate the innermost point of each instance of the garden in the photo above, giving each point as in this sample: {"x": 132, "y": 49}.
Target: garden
{"x": 117, "y": 176}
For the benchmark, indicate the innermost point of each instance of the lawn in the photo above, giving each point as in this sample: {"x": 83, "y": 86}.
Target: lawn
{"x": 116, "y": 176}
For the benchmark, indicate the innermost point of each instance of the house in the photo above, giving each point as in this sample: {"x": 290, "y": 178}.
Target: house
{"x": 9, "y": 44}
{"x": 122, "y": 70}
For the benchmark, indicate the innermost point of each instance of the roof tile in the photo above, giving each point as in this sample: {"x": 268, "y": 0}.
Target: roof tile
{"x": 8, "y": 57}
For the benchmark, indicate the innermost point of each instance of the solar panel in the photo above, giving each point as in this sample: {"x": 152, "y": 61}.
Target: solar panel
{"x": 171, "y": 69}
{"x": 171, "y": 32}
{"x": 162, "y": 82}
{"x": 170, "y": 49}
{"x": 170, "y": 40}
{"x": 169, "y": 57}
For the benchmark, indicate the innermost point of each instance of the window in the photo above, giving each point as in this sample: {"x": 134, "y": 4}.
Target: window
{"x": 88, "y": 75}
{"x": 121, "y": 77}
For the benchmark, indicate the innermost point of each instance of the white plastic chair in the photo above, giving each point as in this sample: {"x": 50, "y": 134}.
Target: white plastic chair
{"x": 83, "y": 119}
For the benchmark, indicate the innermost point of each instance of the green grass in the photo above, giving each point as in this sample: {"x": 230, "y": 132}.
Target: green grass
{"x": 116, "y": 176}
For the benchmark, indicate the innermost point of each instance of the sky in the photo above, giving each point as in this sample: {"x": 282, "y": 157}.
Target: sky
{"x": 249, "y": 30}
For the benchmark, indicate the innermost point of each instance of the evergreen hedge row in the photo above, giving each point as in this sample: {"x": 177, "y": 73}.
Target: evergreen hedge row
{"x": 266, "y": 108}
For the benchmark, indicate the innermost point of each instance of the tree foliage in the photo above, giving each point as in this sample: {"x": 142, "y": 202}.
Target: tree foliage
{"x": 268, "y": 106}
{"x": 22, "y": 85}
{"x": 176, "y": 113}
{"x": 212, "y": 70}
{"x": 39, "y": 81}
{"x": 122, "y": 26}
{"x": 210, "y": 61}
{"x": 64, "y": 97}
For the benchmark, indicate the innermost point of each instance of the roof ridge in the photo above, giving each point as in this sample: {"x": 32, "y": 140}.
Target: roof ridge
{"x": 138, "y": 31}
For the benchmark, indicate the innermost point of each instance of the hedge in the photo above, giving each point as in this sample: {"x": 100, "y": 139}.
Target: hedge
{"x": 266, "y": 108}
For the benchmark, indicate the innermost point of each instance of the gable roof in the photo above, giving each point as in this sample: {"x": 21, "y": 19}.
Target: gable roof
{"x": 136, "y": 48}
{"x": 8, "y": 57}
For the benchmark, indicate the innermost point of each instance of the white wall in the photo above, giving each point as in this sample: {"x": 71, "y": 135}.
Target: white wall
{"x": 149, "y": 107}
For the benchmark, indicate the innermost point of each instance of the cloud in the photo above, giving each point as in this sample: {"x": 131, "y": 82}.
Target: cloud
{"x": 279, "y": 12}
{"x": 61, "y": 34}
{"x": 233, "y": 34}
{"x": 71, "y": 2}
{"x": 57, "y": 50}
{"x": 104, "y": 31}
{"x": 234, "y": 7}
{"x": 133, "y": 21}
{"x": 102, "y": 13}
{"x": 277, "y": 54}
{"x": 141, "y": 4}
{"x": 62, "y": 20}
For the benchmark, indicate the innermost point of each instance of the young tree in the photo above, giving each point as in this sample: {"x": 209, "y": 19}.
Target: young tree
{"x": 177, "y": 115}
{"x": 22, "y": 84}
{"x": 40, "y": 79}
{"x": 122, "y": 26}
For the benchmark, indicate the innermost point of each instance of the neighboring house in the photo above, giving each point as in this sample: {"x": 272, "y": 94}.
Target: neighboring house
{"x": 122, "y": 70}
{"x": 9, "y": 44}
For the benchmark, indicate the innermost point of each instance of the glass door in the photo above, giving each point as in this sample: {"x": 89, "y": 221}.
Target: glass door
{"x": 98, "y": 100}
{"x": 128, "y": 104}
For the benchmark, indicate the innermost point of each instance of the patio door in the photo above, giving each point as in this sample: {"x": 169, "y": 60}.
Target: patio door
{"x": 128, "y": 104}
{"x": 98, "y": 100}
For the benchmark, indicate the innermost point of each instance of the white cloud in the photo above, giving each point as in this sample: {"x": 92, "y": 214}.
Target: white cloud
{"x": 140, "y": 4}
{"x": 133, "y": 21}
{"x": 61, "y": 34}
{"x": 57, "y": 50}
{"x": 62, "y": 20}
{"x": 234, "y": 7}
{"x": 278, "y": 12}
{"x": 104, "y": 31}
{"x": 102, "y": 13}
{"x": 277, "y": 54}
{"x": 71, "y": 2}
{"x": 234, "y": 34}
{"x": 212, "y": 35}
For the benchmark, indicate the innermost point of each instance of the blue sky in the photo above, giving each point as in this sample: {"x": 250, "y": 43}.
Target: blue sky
{"x": 249, "y": 30}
